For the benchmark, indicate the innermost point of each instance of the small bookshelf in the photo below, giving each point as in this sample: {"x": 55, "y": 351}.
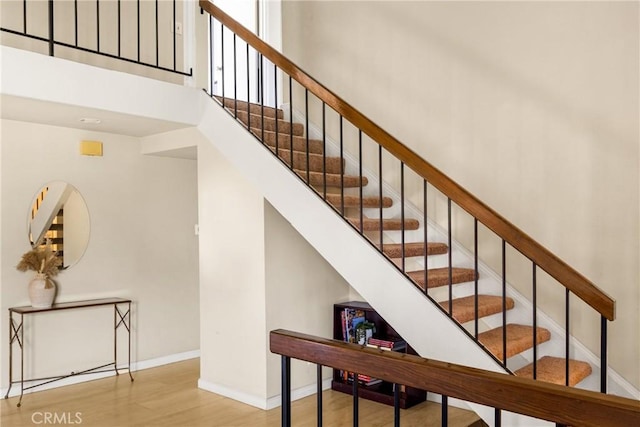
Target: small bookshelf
{"x": 355, "y": 321}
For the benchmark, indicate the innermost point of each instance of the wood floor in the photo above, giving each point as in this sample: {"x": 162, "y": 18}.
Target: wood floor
{"x": 168, "y": 396}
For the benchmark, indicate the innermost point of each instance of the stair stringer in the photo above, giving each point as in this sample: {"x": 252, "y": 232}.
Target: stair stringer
{"x": 490, "y": 282}
{"x": 368, "y": 272}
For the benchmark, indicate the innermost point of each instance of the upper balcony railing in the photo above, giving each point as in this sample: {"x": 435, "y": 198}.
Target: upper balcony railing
{"x": 147, "y": 33}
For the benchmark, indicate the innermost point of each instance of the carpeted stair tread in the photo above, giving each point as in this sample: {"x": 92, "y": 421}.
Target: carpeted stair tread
{"x": 270, "y": 124}
{"x": 354, "y": 201}
{"x": 333, "y": 165}
{"x": 464, "y": 308}
{"x": 284, "y": 141}
{"x": 519, "y": 339}
{"x": 552, "y": 370}
{"x": 230, "y": 104}
{"x": 373, "y": 224}
{"x": 394, "y": 250}
{"x": 317, "y": 179}
{"x": 440, "y": 276}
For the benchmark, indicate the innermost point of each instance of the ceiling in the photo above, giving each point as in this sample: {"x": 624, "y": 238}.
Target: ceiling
{"x": 51, "y": 113}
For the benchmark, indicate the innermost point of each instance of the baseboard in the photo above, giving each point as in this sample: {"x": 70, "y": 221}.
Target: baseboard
{"x": 135, "y": 366}
{"x": 260, "y": 402}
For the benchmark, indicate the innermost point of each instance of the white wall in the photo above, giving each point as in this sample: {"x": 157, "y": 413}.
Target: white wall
{"x": 142, "y": 246}
{"x": 256, "y": 274}
{"x": 533, "y": 106}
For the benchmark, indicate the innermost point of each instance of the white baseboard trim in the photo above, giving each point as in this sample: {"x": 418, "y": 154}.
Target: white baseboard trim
{"x": 256, "y": 401}
{"x": 135, "y": 366}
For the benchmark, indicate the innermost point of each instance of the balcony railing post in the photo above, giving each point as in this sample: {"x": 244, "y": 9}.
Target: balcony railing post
{"x": 51, "y": 43}
{"x": 319, "y": 395}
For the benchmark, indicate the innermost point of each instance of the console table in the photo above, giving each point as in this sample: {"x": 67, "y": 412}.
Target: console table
{"x": 121, "y": 317}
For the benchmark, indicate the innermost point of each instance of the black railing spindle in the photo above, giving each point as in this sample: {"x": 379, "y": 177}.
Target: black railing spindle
{"x": 380, "y": 195}
{"x": 426, "y": 240}
{"x": 211, "y": 67}
{"x": 248, "y": 92}
{"x": 290, "y": 121}
{"x": 324, "y": 150}
{"x": 396, "y": 405}
{"x": 235, "y": 77}
{"x": 157, "y": 38}
{"x": 75, "y": 22}
{"x": 138, "y": 30}
{"x": 341, "y": 169}
{"x": 24, "y": 16}
{"x": 356, "y": 409}
{"x": 450, "y": 256}
{"x": 275, "y": 104}
{"x": 360, "y": 189}
{"x": 566, "y": 336}
{"x": 475, "y": 281}
{"x": 261, "y": 78}
{"x": 119, "y": 29}
{"x": 402, "y": 229}
{"x": 223, "y": 70}
{"x": 603, "y": 354}
{"x": 51, "y": 42}
{"x": 319, "y": 395}
{"x": 306, "y": 130}
{"x": 535, "y": 320}
{"x": 174, "y": 34}
{"x": 504, "y": 304}
{"x": 444, "y": 410}
{"x": 498, "y": 417}
{"x": 98, "y": 25}
{"x": 286, "y": 391}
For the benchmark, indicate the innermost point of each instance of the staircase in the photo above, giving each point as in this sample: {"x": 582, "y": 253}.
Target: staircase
{"x": 326, "y": 175}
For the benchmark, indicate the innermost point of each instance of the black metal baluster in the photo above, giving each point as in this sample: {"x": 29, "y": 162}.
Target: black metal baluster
{"x": 535, "y": 321}
{"x": 119, "y": 28}
{"x": 450, "y": 257}
{"x": 235, "y": 78}
{"x": 286, "y": 391}
{"x": 380, "y": 194}
{"x": 262, "y": 99}
{"x": 275, "y": 102}
{"x": 475, "y": 281}
{"x": 566, "y": 336}
{"x": 223, "y": 70}
{"x": 319, "y": 395}
{"x": 158, "y": 38}
{"x": 98, "y": 25}
{"x": 603, "y": 354}
{"x": 504, "y": 303}
{"x": 324, "y": 151}
{"x": 444, "y": 407}
{"x": 426, "y": 240}
{"x": 174, "y": 35}
{"x": 341, "y": 168}
{"x": 498, "y": 417}
{"x": 51, "y": 44}
{"x": 248, "y": 92}
{"x": 138, "y": 8}
{"x": 75, "y": 21}
{"x": 361, "y": 190}
{"x": 290, "y": 122}
{"x": 24, "y": 16}
{"x": 211, "y": 50}
{"x": 306, "y": 124}
{"x": 396, "y": 405}
{"x": 355, "y": 399}
{"x": 402, "y": 230}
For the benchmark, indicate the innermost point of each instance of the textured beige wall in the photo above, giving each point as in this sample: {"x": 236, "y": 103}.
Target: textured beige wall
{"x": 532, "y": 106}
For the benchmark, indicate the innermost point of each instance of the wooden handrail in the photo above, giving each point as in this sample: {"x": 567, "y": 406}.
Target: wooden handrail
{"x": 555, "y": 403}
{"x": 542, "y": 257}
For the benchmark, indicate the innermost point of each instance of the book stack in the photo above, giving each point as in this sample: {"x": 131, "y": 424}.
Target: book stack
{"x": 389, "y": 345}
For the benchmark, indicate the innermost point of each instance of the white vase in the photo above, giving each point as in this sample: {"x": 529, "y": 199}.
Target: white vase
{"x": 39, "y": 294}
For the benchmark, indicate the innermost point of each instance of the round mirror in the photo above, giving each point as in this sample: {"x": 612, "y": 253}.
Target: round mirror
{"x": 59, "y": 213}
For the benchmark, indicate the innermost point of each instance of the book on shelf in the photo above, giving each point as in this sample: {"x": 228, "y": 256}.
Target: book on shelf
{"x": 351, "y": 318}
{"x": 382, "y": 344}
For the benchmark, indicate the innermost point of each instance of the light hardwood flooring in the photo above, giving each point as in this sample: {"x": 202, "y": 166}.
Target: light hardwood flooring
{"x": 168, "y": 396}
